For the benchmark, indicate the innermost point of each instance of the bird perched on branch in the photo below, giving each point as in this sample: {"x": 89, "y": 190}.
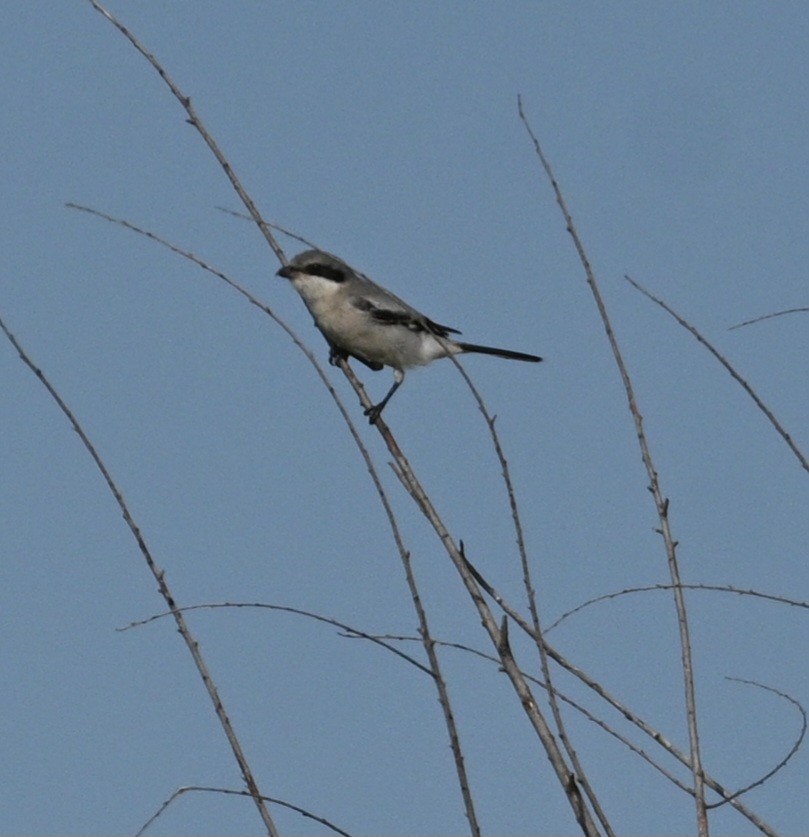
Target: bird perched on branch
{"x": 361, "y": 319}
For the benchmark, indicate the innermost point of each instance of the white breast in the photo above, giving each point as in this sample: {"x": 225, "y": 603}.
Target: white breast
{"x": 355, "y": 331}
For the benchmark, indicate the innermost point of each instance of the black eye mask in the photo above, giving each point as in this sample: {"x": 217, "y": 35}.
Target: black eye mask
{"x": 327, "y": 271}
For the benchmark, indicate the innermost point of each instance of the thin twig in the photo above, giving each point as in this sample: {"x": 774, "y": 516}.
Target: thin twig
{"x": 193, "y": 119}
{"x": 530, "y": 591}
{"x": 733, "y": 373}
{"x": 385, "y": 640}
{"x": 163, "y": 587}
{"x": 661, "y": 502}
{"x": 715, "y": 588}
{"x": 424, "y": 628}
{"x": 240, "y": 289}
{"x": 768, "y": 317}
{"x": 596, "y": 687}
{"x": 180, "y": 791}
{"x": 348, "y": 629}
{"x": 794, "y": 749}
{"x": 271, "y": 225}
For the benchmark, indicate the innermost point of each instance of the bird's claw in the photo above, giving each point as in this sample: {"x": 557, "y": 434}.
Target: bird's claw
{"x": 373, "y": 413}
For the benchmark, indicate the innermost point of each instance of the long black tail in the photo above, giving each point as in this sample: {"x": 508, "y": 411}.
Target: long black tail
{"x": 489, "y": 350}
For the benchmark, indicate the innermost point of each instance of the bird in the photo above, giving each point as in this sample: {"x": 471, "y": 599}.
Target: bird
{"x": 363, "y": 320}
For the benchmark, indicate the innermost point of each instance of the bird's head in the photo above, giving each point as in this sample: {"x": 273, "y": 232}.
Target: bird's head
{"x": 316, "y": 263}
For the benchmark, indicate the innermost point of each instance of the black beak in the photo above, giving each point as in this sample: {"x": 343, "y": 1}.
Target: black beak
{"x": 286, "y": 271}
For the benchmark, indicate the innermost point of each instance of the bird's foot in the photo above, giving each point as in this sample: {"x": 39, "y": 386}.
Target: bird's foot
{"x": 373, "y": 413}
{"x": 336, "y": 355}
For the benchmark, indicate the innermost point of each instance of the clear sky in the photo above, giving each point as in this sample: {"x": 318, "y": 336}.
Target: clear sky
{"x": 388, "y": 133}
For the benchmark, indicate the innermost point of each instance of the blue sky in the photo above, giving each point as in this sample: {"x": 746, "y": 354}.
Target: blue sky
{"x": 388, "y": 133}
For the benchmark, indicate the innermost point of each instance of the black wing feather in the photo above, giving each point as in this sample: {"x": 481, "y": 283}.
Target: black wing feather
{"x": 441, "y": 330}
{"x": 415, "y": 322}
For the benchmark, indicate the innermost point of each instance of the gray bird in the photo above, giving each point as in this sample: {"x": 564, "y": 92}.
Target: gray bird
{"x": 361, "y": 319}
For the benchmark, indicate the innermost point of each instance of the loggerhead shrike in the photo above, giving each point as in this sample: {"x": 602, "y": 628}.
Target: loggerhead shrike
{"x": 361, "y": 319}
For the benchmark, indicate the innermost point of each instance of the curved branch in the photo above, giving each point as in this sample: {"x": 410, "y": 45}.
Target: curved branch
{"x": 733, "y": 373}
{"x": 180, "y": 791}
{"x": 349, "y": 630}
{"x": 714, "y": 588}
{"x": 768, "y": 317}
{"x": 794, "y": 749}
{"x": 163, "y": 587}
{"x": 273, "y": 226}
{"x": 193, "y": 119}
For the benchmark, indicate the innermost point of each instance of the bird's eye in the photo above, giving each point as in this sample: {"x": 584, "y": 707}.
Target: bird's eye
{"x": 327, "y": 271}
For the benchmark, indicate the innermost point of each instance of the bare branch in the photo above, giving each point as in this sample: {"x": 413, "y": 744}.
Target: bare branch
{"x": 794, "y": 749}
{"x": 271, "y": 225}
{"x": 193, "y": 119}
{"x": 768, "y": 317}
{"x": 715, "y": 588}
{"x": 385, "y": 641}
{"x": 347, "y": 629}
{"x": 528, "y": 584}
{"x": 661, "y": 502}
{"x": 180, "y": 791}
{"x": 163, "y": 587}
{"x": 733, "y": 373}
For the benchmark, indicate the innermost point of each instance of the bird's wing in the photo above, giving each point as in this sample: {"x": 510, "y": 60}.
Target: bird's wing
{"x": 390, "y": 310}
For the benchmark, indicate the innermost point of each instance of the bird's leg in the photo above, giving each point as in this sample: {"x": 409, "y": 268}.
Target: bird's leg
{"x": 373, "y": 412}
